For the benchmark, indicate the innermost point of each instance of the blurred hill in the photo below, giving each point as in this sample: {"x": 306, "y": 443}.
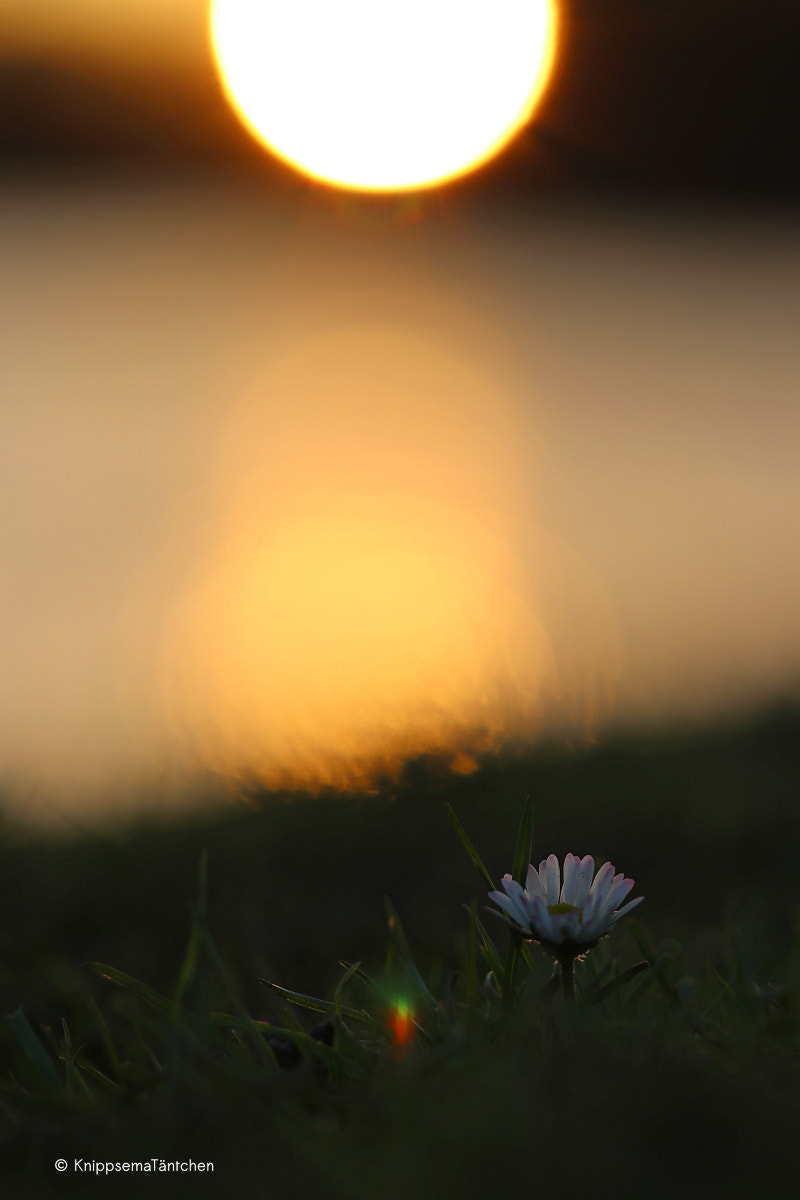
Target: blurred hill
{"x": 707, "y": 823}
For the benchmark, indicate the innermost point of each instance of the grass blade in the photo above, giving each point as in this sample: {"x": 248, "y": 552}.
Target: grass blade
{"x": 508, "y": 985}
{"x": 337, "y": 995}
{"x": 488, "y": 948}
{"x": 665, "y": 957}
{"x": 149, "y": 995}
{"x": 641, "y": 941}
{"x": 96, "y": 1074}
{"x": 315, "y": 1005}
{"x": 189, "y": 965}
{"x": 726, "y": 990}
{"x": 35, "y": 1054}
{"x": 613, "y": 985}
{"x": 401, "y": 941}
{"x": 522, "y": 850}
{"x": 75, "y": 1081}
{"x": 470, "y": 849}
{"x": 192, "y": 956}
{"x": 472, "y": 963}
{"x": 359, "y": 974}
{"x": 105, "y": 1036}
{"x": 525, "y": 951}
{"x": 211, "y": 949}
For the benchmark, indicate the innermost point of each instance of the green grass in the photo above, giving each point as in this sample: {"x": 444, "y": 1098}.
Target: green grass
{"x": 676, "y": 1077}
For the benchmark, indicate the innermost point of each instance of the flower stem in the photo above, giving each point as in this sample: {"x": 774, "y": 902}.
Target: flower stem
{"x": 568, "y": 980}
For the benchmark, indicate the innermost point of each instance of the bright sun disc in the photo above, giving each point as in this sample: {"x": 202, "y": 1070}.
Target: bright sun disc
{"x": 383, "y": 96}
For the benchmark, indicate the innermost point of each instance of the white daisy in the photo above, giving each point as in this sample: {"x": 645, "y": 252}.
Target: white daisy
{"x": 567, "y": 918}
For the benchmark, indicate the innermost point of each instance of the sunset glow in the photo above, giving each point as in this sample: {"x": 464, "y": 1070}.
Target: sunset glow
{"x": 379, "y": 97}
{"x": 361, "y": 602}
{"x": 348, "y": 506}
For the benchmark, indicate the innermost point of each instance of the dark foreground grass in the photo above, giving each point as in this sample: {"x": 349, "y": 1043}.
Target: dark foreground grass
{"x": 136, "y": 1026}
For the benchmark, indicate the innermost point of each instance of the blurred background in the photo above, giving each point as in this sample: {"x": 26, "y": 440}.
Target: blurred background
{"x": 319, "y": 510}
{"x": 299, "y": 484}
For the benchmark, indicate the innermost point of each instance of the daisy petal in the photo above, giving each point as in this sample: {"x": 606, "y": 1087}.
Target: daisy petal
{"x": 533, "y": 884}
{"x": 595, "y": 908}
{"x": 626, "y": 908}
{"x": 517, "y": 898}
{"x": 553, "y": 878}
{"x": 570, "y": 879}
{"x": 583, "y": 881}
{"x": 503, "y": 902}
{"x": 600, "y": 905}
{"x": 617, "y": 892}
{"x": 539, "y": 917}
{"x": 602, "y": 882}
{"x": 508, "y": 910}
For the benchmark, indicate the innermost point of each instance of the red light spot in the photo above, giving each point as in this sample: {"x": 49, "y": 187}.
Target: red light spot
{"x": 401, "y": 1024}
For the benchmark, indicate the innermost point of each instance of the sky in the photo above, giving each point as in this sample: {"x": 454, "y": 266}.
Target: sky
{"x": 296, "y": 483}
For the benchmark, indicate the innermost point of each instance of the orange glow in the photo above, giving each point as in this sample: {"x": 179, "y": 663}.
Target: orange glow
{"x": 519, "y": 452}
{"x": 303, "y": 580}
{"x": 363, "y": 601}
{"x": 380, "y": 97}
{"x": 400, "y": 1024}
{"x": 122, "y": 32}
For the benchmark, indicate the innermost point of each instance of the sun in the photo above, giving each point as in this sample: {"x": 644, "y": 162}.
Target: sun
{"x": 383, "y": 96}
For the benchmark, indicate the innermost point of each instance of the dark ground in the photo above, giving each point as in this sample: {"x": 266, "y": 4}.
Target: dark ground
{"x": 707, "y": 823}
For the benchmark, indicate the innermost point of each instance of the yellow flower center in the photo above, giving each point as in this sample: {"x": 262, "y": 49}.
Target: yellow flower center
{"x": 553, "y": 909}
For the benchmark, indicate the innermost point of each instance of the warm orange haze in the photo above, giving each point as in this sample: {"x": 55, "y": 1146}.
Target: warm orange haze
{"x": 384, "y": 97}
{"x": 157, "y": 30}
{"x": 364, "y": 597}
{"x": 290, "y": 499}
{"x": 296, "y": 484}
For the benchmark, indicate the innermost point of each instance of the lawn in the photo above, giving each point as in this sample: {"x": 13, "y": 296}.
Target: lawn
{"x": 419, "y": 1073}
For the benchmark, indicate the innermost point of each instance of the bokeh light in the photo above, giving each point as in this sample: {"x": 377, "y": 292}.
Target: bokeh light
{"x": 400, "y": 1024}
{"x": 363, "y": 600}
{"x": 382, "y": 97}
